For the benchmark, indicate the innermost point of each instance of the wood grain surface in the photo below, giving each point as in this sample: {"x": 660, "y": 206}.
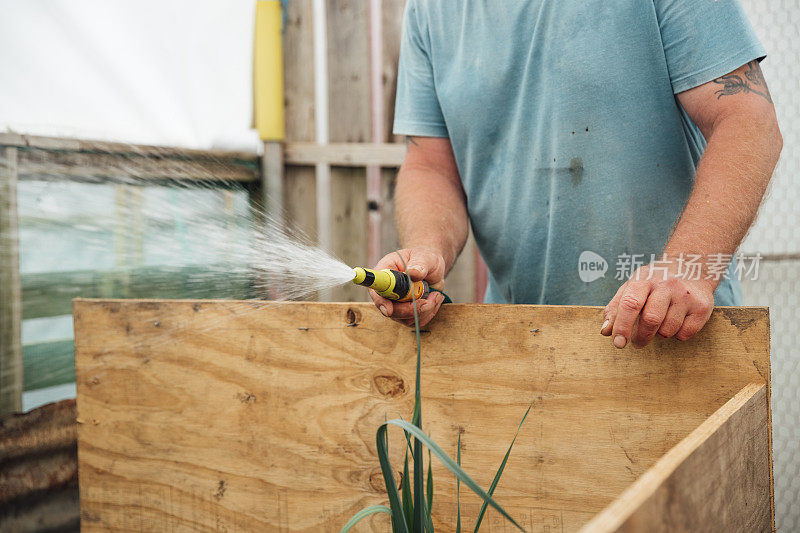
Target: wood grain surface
{"x": 351, "y": 154}
{"x": 245, "y": 416}
{"x": 716, "y": 479}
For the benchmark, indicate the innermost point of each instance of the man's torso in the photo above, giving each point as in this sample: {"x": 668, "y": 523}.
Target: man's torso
{"x": 568, "y": 138}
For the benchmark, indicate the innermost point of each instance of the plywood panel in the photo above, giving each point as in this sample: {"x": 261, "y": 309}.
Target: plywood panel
{"x": 257, "y": 416}
{"x": 716, "y": 479}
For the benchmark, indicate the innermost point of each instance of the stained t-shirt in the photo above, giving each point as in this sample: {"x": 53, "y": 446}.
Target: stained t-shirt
{"x": 565, "y": 127}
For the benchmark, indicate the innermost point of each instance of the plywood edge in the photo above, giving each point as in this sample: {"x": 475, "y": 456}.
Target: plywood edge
{"x": 769, "y": 418}
{"x": 617, "y": 515}
{"x": 743, "y": 308}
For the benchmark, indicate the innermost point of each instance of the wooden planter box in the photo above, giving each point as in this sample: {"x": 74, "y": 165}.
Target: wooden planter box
{"x": 254, "y": 416}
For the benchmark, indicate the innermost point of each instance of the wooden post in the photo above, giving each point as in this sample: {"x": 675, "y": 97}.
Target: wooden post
{"x": 348, "y": 60}
{"x": 272, "y": 180}
{"x": 128, "y": 236}
{"x": 300, "y": 204}
{"x": 271, "y": 197}
{"x": 374, "y": 197}
{"x": 10, "y": 288}
{"x": 266, "y": 205}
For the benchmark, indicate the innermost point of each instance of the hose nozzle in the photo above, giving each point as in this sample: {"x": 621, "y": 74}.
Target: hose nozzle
{"x": 391, "y": 284}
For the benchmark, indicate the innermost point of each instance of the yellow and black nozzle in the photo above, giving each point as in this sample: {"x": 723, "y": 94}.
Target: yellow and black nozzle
{"x": 391, "y": 284}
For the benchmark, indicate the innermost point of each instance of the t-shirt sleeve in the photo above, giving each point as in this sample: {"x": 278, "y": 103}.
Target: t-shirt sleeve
{"x": 417, "y": 109}
{"x": 705, "y": 39}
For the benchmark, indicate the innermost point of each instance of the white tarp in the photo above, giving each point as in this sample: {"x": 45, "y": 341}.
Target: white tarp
{"x": 155, "y": 72}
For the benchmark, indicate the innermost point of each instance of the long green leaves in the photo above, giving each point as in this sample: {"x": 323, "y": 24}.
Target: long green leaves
{"x": 445, "y": 459}
{"x": 411, "y": 511}
{"x": 429, "y": 508}
{"x": 408, "y": 501}
{"x": 363, "y": 513}
{"x": 499, "y": 473}
{"x": 399, "y": 523}
{"x": 416, "y": 419}
{"x": 458, "y": 485}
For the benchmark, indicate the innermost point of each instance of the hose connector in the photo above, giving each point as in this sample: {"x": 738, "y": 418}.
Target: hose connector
{"x": 391, "y": 284}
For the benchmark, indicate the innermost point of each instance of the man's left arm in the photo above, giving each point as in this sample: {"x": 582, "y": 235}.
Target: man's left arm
{"x": 737, "y": 118}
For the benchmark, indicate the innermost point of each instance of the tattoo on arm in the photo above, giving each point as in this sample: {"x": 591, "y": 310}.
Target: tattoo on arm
{"x": 753, "y": 82}
{"x": 410, "y": 139}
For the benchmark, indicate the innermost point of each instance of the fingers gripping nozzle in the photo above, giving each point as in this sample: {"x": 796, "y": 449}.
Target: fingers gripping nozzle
{"x": 391, "y": 284}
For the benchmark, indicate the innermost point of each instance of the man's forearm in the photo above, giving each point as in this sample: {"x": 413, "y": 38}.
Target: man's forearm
{"x": 730, "y": 184}
{"x": 736, "y": 115}
{"x": 431, "y": 212}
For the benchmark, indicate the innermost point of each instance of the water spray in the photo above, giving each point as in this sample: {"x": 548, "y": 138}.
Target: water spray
{"x": 391, "y": 284}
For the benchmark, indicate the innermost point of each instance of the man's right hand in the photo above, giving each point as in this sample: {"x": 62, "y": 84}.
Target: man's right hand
{"x": 423, "y": 264}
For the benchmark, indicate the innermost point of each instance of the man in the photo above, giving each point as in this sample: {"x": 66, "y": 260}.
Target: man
{"x": 612, "y": 128}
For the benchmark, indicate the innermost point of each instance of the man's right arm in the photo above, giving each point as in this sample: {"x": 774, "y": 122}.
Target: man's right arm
{"x": 432, "y": 222}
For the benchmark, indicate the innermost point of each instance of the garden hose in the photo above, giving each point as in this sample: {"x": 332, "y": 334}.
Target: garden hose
{"x": 393, "y": 284}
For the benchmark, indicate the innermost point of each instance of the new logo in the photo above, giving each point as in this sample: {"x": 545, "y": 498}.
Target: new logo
{"x": 591, "y": 266}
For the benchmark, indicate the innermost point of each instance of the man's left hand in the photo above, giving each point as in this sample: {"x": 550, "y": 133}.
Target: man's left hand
{"x": 664, "y": 303}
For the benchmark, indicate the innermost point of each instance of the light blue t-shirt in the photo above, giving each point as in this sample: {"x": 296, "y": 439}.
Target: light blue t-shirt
{"x": 565, "y": 127}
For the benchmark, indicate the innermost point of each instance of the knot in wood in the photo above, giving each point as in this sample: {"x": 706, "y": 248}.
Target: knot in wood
{"x": 377, "y": 484}
{"x": 390, "y": 385}
{"x": 353, "y": 317}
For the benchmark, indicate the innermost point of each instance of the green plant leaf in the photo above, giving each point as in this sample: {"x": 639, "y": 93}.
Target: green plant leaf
{"x": 458, "y": 484}
{"x": 445, "y": 459}
{"x": 426, "y": 513}
{"x": 399, "y": 524}
{"x": 408, "y": 502}
{"x": 499, "y": 473}
{"x": 429, "y": 492}
{"x": 416, "y": 419}
{"x": 418, "y": 523}
{"x": 421, "y": 520}
{"x": 363, "y": 513}
{"x": 419, "y": 488}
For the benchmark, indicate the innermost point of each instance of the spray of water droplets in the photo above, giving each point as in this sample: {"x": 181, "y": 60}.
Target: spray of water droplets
{"x": 292, "y": 265}
{"x": 166, "y": 238}
{"x": 145, "y": 223}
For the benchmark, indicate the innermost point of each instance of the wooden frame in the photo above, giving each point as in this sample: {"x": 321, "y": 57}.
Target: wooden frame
{"x": 10, "y": 286}
{"x": 224, "y": 415}
{"x": 30, "y": 157}
{"x": 98, "y": 161}
{"x": 345, "y": 154}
